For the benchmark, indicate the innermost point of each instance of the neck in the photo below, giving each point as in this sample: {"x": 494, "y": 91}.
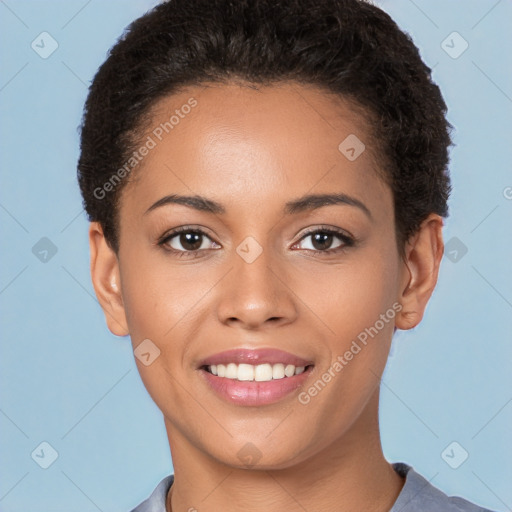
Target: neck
{"x": 350, "y": 474}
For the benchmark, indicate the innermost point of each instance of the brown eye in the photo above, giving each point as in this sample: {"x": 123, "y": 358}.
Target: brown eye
{"x": 186, "y": 240}
{"x": 322, "y": 241}
{"x": 189, "y": 241}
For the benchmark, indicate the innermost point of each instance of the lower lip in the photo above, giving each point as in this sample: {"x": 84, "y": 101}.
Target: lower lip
{"x": 252, "y": 393}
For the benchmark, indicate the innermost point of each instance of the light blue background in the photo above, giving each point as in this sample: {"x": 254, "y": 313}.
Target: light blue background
{"x": 67, "y": 381}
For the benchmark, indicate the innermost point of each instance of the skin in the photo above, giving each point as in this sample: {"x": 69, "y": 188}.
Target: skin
{"x": 245, "y": 148}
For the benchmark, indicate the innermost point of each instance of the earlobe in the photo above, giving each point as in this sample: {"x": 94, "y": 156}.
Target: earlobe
{"x": 106, "y": 280}
{"x": 422, "y": 259}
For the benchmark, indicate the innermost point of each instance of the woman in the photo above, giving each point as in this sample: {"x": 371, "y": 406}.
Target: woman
{"x": 266, "y": 183}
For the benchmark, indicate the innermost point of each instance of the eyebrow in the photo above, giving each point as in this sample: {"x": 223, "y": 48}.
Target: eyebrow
{"x": 306, "y": 203}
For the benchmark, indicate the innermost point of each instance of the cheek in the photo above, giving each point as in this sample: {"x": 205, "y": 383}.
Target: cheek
{"x": 155, "y": 294}
{"x": 356, "y": 303}
{"x": 157, "y": 308}
{"x": 350, "y": 297}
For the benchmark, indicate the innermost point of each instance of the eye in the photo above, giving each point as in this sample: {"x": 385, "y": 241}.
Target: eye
{"x": 186, "y": 240}
{"x": 322, "y": 240}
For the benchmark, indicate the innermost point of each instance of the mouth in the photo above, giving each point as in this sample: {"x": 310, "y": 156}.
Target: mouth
{"x": 254, "y": 377}
{"x": 255, "y": 373}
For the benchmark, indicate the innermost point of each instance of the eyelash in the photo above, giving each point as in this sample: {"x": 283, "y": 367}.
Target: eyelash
{"x": 348, "y": 241}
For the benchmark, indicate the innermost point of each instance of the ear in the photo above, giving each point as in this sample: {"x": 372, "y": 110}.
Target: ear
{"x": 423, "y": 253}
{"x": 106, "y": 280}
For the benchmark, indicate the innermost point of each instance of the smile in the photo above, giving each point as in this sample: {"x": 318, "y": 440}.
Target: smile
{"x": 258, "y": 373}
{"x": 254, "y": 377}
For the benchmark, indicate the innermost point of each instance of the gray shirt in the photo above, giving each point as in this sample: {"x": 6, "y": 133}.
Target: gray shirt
{"x": 417, "y": 495}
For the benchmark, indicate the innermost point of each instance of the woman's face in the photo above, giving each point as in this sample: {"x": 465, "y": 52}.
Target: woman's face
{"x": 256, "y": 281}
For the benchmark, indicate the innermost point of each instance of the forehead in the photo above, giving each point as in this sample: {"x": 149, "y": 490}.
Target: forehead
{"x": 242, "y": 144}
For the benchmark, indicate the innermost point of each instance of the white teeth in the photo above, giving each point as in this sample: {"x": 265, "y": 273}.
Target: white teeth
{"x": 278, "y": 371}
{"x": 259, "y": 373}
{"x": 245, "y": 372}
{"x": 263, "y": 373}
{"x": 289, "y": 370}
{"x": 231, "y": 371}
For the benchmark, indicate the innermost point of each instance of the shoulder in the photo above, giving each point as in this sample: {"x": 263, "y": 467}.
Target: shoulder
{"x": 156, "y": 502}
{"x": 419, "y": 495}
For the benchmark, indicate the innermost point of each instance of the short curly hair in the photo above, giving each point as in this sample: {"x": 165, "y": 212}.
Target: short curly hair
{"x": 348, "y": 47}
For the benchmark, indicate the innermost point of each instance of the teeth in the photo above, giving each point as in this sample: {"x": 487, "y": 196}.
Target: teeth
{"x": 245, "y": 372}
{"x": 278, "y": 371}
{"x": 263, "y": 372}
{"x": 289, "y": 370}
{"x": 231, "y": 371}
{"x": 259, "y": 373}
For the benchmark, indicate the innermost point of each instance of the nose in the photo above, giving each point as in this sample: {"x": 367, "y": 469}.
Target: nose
{"x": 255, "y": 294}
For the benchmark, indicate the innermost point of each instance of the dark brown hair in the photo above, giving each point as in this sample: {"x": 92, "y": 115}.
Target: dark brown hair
{"x": 348, "y": 47}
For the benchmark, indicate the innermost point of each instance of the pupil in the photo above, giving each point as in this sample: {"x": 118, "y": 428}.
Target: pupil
{"x": 325, "y": 236}
{"x": 187, "y": 240}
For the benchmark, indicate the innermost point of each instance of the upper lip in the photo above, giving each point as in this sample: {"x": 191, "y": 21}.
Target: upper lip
{"x": 254, "y": 357}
